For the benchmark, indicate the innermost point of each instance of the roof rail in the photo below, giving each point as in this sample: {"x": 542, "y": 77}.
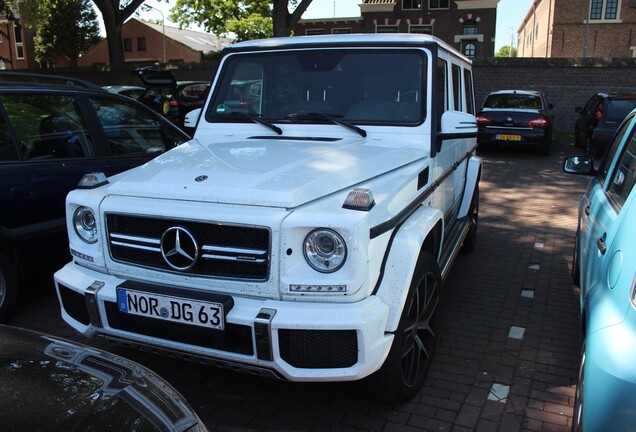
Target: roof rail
{"x": 12, "y": 76}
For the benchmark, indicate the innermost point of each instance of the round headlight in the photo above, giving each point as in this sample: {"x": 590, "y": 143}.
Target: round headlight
{"x": 85, "y": 224}
{"x": 325, "y": 250}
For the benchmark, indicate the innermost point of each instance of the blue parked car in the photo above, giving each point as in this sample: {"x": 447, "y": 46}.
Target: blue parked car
{"x": 604, "y": 266}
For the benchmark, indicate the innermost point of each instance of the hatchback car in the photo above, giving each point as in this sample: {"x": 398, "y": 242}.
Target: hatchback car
{"x": 49, "y": 383}
{"x": 604, "y": 266}
{"x": 598, "y": 120}
{"x": 515, "y": 118}
{"x": 51, "y": 134}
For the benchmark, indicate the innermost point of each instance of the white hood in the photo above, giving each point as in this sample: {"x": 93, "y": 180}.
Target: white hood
{"x": 267, "y": 172}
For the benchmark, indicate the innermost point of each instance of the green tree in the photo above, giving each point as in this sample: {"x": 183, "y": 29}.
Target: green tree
{"x": 65, "y": 27}
{"x": 504, "y": 51}
{"x": 249, "y": 19}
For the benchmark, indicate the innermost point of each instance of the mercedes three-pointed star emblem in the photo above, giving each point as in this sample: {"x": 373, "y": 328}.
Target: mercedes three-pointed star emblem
{"x": 179, "y": 248}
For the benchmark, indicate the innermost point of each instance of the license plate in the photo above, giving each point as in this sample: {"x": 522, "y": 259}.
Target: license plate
{"x": 506, "y": 137}
{"x": 175, "y": 309}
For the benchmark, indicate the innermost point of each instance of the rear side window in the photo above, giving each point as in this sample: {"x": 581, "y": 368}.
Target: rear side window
{"x": 47, "y": 126}
{"x": 470, "y": 96}
{"x": 132, "y": 130}
{"x": 441, "y": 91}
{"x": 457, "y": 87}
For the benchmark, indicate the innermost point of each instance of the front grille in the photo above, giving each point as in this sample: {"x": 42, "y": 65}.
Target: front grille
{"x": 235, "y": 338}
{"x": 230, "y": 251}
{"x": 323, "y": 349}
{"x": 74, "y": 304}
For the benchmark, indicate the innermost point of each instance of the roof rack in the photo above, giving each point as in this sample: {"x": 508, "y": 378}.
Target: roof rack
{"x": 12, "y": 77}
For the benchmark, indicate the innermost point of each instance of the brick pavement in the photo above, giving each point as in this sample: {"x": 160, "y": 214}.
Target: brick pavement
{"x": 508, "y": 348}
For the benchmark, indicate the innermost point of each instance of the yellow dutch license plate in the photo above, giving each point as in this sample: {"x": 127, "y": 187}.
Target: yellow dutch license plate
{"x": 506, "y": 137}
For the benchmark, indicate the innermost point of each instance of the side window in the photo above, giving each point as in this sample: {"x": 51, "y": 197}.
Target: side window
{"x": 624, "y": 176}
{"x": 457, "y": 87}
{"x": 8, "y": 150}
{"x": 47, "y": 126}
{"x": 608, "y": 158}
{"x": 441, "y": 98}
{"x": 470, "y": 93}
{"x": 131, "y": 130}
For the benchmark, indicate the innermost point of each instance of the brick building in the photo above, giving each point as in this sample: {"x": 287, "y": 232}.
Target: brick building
{"x": 16, "y": 46}
{"x": 567, "y": 28}
{"x": 146, "y": 42}
{"x": 468, "y": 25}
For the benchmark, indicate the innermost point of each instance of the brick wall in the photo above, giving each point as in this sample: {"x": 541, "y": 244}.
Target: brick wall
{"x": 567, "y": 83}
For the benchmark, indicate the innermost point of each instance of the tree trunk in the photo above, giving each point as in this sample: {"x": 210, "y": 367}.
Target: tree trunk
{"x": 114, "y": 18}
{"x": 283, "y": 21}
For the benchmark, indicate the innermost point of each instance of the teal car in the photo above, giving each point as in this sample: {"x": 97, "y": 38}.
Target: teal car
{"x": 604, "y": 266}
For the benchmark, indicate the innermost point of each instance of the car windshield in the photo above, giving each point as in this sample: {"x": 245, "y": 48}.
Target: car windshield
{"x": 513, "y": 100}
{"x": 617, "y": 109}
{"x": 362, "y": 86}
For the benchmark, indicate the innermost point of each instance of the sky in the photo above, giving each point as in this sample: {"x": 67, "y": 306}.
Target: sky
{"x": 510, "y": 13}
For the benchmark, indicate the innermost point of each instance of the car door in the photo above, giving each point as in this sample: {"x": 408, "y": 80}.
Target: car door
{"x": 603, "y": 202}
{"x": 586, "y": 120}
{"x": 54, "y": 150}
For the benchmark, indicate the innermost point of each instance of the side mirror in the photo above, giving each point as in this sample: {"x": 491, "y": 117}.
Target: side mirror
{"x": 550, "y": 106}
{"x": 579, "y": 165}
{"x": 456, "y": 125}
{"x": 457, "y": 122}
{"x": 578, "y": 109}
{"x": 192, "y": 118}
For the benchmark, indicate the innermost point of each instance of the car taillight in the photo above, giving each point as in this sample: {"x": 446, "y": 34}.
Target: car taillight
{"x": 539, "y": 122}
{"x": 174, "y": 103}
{"x": 598, "y": 115}
{"x": 481, "y": 120}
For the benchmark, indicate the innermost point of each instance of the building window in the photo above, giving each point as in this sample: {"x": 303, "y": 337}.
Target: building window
{"x": 438, "y": 4}
{"x": 341, "y": 31}
{"x": 386, "y": 29}
{"x": 314, "y": 32}
{"x": 141, "y": 44}
{"x": 469, "y": 29}
{"x": 411, "y": 4}
{"x": 470, "y": 49}
{"x": 422, "y": 29}
{"x": 536, "y": 32}
{"x": 19, "y": 45}
{"x": 604, "y": 9}
{"x": 127, "y": 44}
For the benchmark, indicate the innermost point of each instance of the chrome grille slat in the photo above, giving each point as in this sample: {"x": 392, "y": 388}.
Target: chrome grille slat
{"x": 227, "y": 251}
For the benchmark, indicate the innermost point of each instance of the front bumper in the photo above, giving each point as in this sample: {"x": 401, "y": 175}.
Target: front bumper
{"x": 298, "y": 341}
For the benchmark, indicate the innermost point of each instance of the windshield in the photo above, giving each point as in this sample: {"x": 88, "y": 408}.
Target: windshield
{"x": 359, "y": 86}
{"x": 513, "y": 100}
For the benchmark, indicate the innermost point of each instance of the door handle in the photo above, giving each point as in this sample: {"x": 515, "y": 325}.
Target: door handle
{"x": 21, "y": 192}
{"x": 600, "y": 244}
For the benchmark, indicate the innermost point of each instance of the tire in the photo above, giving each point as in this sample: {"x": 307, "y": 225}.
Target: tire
{"x": 577, "y": 416}
{"x": 576, "y": 269}
{"x": 8, "y": 287}
{"x": 404, "y": 370}
{"x": 473, "y": 213}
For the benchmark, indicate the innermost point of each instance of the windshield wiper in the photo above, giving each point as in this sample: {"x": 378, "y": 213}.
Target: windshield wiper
{"x": 255, "y": 119}
{"x": 328, "y": 117}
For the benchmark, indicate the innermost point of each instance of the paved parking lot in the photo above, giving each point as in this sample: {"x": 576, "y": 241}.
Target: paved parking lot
{"x": 508, "y": 348}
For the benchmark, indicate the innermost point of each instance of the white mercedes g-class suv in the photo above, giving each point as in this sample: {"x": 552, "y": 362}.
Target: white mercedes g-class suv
{"x": 306, "y": 230}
